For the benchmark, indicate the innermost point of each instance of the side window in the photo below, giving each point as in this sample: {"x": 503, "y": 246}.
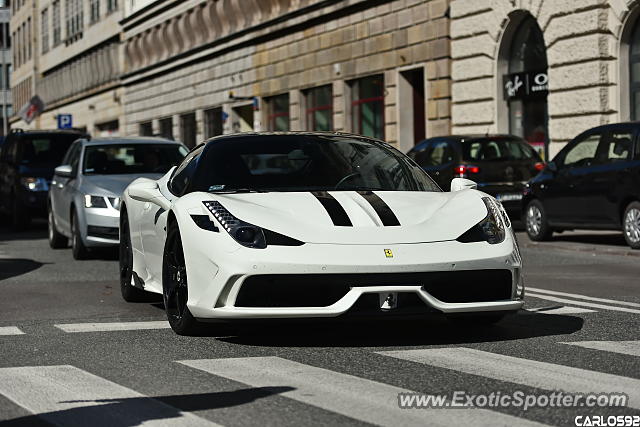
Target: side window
{"x": 617, "y": 147}
{"x": 436, "y": 153}
{"x": 184, "y": 172}
{"x": 74, "y": 158}
{"x": 583, "y": 152}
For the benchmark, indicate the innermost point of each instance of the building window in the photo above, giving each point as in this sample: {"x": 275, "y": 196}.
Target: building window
{"x": 74, "y": 18}
{"x": 112, "y": 6}
{"x": 146, "y": 129}
{"x": 44, "y": 30}
{"x": 526, "y": 85}
{"x": 29, "y": 39}
{"x": 319, "y": 108}
{"x": 5, "y": 40}
{"x": 367, "y": 106}
{"x": 95, "y": 11}
{"x": 188, "y": 129}
{"x": 55, "y": 21}
{"x": 213, "y": 122}
{"x": 166, "y": 128}
{"x": 278, "y": 113}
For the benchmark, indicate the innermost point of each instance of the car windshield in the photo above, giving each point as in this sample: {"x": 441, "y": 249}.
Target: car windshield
{"x": 45, "y": 151}
{"x": 120, "y": 159}
{"x": 497, "y": 149}
{"x": 307, "y": 163}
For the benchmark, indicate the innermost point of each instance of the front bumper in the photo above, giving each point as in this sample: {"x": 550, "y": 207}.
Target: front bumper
{"x": 101, "y": 227}
{"x": 216, "y": 279}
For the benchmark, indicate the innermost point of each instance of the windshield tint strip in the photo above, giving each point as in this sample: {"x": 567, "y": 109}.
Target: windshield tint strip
{"x": 383, "y": 210}
{"x": 334, "y": 208}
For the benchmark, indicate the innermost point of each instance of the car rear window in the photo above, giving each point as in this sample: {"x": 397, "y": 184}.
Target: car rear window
{"x": 45, "y": 151}
{"x": 498, "y": 149}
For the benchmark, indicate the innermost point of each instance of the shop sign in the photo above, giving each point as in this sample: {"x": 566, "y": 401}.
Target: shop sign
{"x": 525, "y": 85}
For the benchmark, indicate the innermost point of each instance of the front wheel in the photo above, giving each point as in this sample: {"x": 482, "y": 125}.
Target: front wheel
{"x": 78, "y": 248}
{"x": 536, "y": 222}
{"x": 175, "y": 291}
{"x": 631, "y": 225}
{"x": 56, "y": 240}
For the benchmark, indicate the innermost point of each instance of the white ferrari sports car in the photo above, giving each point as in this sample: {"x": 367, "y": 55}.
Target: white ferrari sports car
{"x": 301, "y": 225}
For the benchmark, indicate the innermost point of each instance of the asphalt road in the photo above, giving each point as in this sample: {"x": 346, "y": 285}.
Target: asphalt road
{"x": 579, "y": 333}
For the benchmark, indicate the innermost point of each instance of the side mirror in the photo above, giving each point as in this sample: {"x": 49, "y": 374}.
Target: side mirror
{"x": 458, "y": 184}
{"x": 146, "y": 190}
{"x": 552, "y": 166}
{"x": 65, "y": 171}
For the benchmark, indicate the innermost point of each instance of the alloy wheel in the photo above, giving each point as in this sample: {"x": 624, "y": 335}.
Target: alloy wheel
{"x": 534, "y": 220}
{"x": 175, "y": 289}
{"x": 632, "y": 225}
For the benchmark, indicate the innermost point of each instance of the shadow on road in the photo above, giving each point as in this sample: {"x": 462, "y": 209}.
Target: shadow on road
{"x": 612, "y": 239}
{"x": 432, "y": 329}
{"x": 138, "y": 410}
{"x": 12, "y": 267}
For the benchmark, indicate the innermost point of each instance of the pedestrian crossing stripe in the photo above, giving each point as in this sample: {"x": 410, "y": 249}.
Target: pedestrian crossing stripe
{"x": 112, "y": 326}
{"x": 631, "y": 348}
{"x": 10, "y": 330}
{"x": 531, "y": 373}
{"x": 560, "y": 310}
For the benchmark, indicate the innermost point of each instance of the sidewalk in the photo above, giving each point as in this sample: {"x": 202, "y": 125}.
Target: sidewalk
{"x": 598, "y": 242}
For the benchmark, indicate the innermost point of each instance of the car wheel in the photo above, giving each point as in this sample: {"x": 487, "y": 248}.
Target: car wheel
{"x": 174, "y": 286}
{"x": 56, "y": 240}
{"x": 129, "y": 292}
{"x": 631, "y": 225}
{"x": 78, "y": 248}
{"x": 20, "y": 218}
{"x": 536, "y": 223}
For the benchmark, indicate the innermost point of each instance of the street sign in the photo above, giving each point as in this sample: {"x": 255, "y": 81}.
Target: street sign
{"x": 65, "y": 121}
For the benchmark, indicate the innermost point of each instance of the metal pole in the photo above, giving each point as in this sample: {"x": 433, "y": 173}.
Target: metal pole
{"x": 5, "y": 83}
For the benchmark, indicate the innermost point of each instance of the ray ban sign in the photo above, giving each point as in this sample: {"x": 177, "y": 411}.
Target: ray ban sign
{"x": 525, "y": 85}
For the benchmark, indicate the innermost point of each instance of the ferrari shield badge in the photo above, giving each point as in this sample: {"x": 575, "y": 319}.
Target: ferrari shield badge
{"x": 388, "y": 253}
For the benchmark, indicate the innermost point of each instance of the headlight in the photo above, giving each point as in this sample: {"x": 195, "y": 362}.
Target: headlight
{"x": 35, "y": 184}
{"x": 244, "y": 233}
{"x": 94, "y": 202}
{"x": 492, "y": 228}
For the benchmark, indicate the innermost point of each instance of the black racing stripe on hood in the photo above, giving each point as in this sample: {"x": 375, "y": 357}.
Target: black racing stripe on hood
{"x": 383, "y": 210}
{"x": 334, "y": 208}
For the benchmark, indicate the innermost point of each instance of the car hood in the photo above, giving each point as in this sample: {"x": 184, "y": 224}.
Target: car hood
{"x": 111, "y": 185}
{"x": 423, "y": 216}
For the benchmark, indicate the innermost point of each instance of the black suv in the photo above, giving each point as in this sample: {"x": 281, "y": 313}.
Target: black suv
{"x": 27, "y": 160}
{"x": 500, "y": 164}
{"x": 593, "y": 183}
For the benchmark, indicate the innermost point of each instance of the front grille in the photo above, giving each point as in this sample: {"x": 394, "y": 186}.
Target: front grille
{"x": 111, "y": 233}
{"x": 322, "y": 290}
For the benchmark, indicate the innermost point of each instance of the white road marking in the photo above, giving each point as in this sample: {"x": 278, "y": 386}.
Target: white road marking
{"x": 583, "y": 303}
{"x": 584, "y": 297}
{"x": 112, "y": 326}
{"x": 69, "y": 396}
{"x": 10, "y": 330}
{"x": 531, "y": 373}
{"x": 354, "y": 397}
{"x": 560, "y": 310}
{"x": 631, "y": 348}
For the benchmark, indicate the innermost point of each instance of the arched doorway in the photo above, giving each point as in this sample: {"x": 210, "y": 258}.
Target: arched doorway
{"x": 526, "y": 84}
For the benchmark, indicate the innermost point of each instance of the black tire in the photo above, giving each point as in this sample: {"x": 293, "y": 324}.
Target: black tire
{"x": 129, "y": 293}
{"x": 174, "y": 286}
{"x": 56, "y": 240}
{"x": 476, "y": 319}
{"x": 536, "y": 222}
{"x": 78, "y": 249}
{"x": 20, "y": 218}
{"x": 631, "y": 225}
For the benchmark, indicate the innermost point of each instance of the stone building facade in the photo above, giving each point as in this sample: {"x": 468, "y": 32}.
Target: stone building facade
{"x": 73, "y": 62}
{"x": 6, "y": 105}
{"x": 544, "y": 69}
{"x": 197, "y": 68}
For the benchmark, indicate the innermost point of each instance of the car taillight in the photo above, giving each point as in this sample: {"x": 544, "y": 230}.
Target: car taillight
{"x": 539, "y": 166}
{"x": 463, "y": 170}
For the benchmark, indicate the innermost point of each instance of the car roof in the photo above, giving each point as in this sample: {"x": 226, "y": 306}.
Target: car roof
{"x": 291, "y": 133}
{"x": 20, "y": 132}
{"x": 117, "y": 140}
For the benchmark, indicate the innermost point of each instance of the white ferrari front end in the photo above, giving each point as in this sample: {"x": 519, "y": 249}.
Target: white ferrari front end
{"x": 236, "y": 252}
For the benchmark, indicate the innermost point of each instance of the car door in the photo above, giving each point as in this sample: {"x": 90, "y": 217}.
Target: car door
{"x": 63, "y": 189}
{"x": 154, "y": 218}
{"x": 606, "y": 184}
{"x": 565, "y": 194}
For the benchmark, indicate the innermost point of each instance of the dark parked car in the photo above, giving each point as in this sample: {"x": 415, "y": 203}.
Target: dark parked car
{"x": 593, "y": 183}
{"x": 500, "y": 164}
{"x": 27, "y": 160}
